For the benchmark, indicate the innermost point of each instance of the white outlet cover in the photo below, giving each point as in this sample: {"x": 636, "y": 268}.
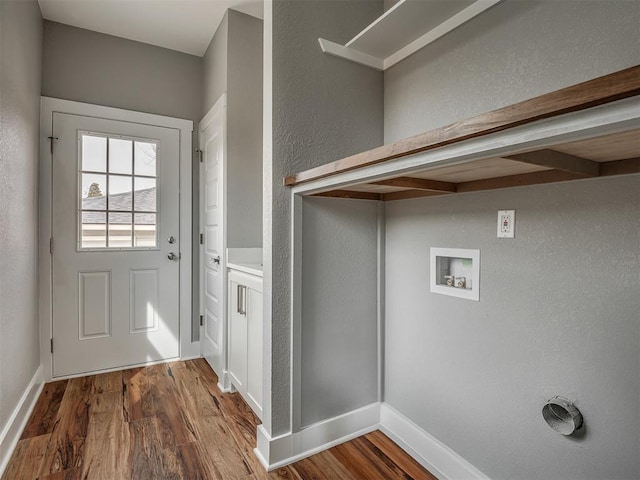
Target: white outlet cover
{"x": 506, "y": 223}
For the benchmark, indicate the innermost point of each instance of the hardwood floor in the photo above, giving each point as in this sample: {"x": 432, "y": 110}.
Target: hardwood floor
{"x": 171, "y": 421}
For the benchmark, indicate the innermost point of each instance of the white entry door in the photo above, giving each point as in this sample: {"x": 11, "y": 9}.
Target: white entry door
{"x": 115, "y": 243}
{"x": 213, "y": 335}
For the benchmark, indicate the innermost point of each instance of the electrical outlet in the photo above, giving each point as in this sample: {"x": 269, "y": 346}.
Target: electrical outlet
{"x": 506, "y": 223}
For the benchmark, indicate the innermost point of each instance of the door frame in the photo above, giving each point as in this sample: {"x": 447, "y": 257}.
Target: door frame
{"x": 217, "y": 112}
{"x": 48, "y": 105}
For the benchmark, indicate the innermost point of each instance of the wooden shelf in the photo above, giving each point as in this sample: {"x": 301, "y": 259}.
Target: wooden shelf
{"x": 596, "y": 152}
{"x": 404, "y": 29}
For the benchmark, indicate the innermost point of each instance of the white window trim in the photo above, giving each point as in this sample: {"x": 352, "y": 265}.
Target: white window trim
{"x": 48, "y": 106}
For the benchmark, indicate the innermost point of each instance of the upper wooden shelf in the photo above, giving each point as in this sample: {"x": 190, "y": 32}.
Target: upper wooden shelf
{"x": 404, "y": 29}
{"x": 600, "y": 154}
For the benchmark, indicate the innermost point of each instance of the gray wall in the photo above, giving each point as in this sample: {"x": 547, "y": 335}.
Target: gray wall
{"x": 558, "y": 310}
{"x": 389, "y": 3}
{"x": 515, "y": 51}
{"x": 92, "y": 67}
{"x": 339, "y": 346}
{"x": 214, "y": 80}
{"x": 233, "y": 64}
{"x": 558, "y": 315}
{"x": 20, "y": 64}
{"x": 324, "y": 108}
{"x": 244, "y": 131}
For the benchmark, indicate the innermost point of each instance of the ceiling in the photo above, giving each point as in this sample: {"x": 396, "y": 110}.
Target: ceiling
{"x": 183, "y": 25}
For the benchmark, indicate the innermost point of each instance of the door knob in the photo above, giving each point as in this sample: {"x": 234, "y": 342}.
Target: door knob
{"x": 172, "y": 256}
{"x": 215, "y": 259}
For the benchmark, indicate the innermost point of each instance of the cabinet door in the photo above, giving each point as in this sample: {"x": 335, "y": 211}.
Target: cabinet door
{"x": 237, "y": 334}
{"x": 254, "y": 371}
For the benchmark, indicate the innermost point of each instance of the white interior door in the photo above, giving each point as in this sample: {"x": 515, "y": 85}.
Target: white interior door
{"x": 115, "y": 230}
{"x": 213, "y": 334}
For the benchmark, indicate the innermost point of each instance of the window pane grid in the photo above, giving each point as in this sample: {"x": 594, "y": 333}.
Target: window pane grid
{"x": 118, "y": 211}
{"x": 125, "y": 214}
{"x": 93, "y": 172}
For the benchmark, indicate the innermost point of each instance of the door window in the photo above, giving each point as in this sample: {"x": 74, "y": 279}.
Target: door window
{"x": 117, "y": 200}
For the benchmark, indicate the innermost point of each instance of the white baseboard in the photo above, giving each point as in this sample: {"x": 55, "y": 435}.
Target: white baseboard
{"x": 291, "y": 447}
{"x": 18, "y": 420}
{"x": 190, "y": 357}
{"x": 224, "y": 382}
{"x": 114, "y": 369}
{"x": 440, "y": 460}
{"x": 432, "y": 454}
{"x": 189, "y": 351}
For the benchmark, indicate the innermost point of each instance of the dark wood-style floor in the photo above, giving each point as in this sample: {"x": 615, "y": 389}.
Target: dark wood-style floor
{"x": 171, "y": 421}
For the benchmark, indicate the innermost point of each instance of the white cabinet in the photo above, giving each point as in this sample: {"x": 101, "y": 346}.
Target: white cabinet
{"x": 245, "y": 337}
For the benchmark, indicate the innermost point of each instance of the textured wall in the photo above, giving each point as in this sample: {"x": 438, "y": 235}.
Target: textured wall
{"x": 20, "y": 64}
{"x": 515, "y": 51}
{"x": 558, "y": 315}
{"x": 244, "y": 131}
{"x": 324, "y": 108}
{"x": 339, "y": 325}
{"x": 558, "y": 311}
{"x": 92, "y": 67}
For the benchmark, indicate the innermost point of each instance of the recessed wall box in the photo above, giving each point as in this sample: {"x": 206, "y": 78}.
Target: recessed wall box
{"x": 455, "y": 272}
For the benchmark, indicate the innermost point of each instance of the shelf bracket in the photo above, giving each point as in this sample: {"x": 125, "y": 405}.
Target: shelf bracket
{"x": 337, "y": 50}
{"x": 418, "y": 184}
{"x": 559, "y": 161}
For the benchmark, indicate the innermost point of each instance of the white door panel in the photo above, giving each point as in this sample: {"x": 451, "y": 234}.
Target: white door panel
{"x": 94, "y": 313}
{"x": 115, "y": 203}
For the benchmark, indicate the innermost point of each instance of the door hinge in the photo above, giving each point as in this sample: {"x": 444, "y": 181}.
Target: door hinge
{"x": 51, "y": 139}
{"x": 201, "y": 320}
{"x": 202, "y": 239}
{"x": 51, "y": 245}
{"x": 52, "y": 345}
{"x": 199, "y": 152}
